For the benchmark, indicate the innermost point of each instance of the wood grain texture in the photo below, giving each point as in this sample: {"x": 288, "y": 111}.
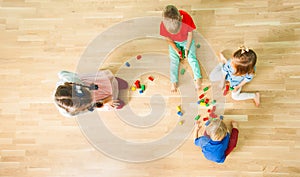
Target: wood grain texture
{"x": 39, "y": 38}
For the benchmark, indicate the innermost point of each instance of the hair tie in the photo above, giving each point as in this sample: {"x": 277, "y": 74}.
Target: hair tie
{"x": 244, "y": 49}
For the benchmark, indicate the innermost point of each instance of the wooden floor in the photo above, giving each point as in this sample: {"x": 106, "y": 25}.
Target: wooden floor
{"x": 39, "y": 38}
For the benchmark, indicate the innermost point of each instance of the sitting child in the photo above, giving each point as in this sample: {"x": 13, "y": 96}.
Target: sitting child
{"x": 215, "y": 141}
{"x": 74, "y": 95}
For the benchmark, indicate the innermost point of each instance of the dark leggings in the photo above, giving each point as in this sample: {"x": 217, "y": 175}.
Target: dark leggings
{"x": 232, "y": 141}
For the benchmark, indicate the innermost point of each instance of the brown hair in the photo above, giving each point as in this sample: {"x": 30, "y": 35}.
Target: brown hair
{"x": 171, "y": 19}
{"x": 217, "y": 129}
{"x": 244, "y": 61}
{"x": 66, "y": 98}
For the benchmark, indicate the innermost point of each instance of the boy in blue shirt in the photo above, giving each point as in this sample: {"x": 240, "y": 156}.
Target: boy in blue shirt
{"x": 215, "y": 141}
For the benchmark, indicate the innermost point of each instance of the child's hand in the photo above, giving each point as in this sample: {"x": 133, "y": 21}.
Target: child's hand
{"x": 234, "y": 124}
{"x": 198, "y": 125}
{"x": 114, "y": 103}
{"x": 236, "y": 89}
{"x": 186, "y": 53}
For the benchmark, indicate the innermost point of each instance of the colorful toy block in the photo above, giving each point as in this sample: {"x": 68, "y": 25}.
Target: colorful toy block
{"x": 143, "y": 87}
{"x": 207, "y": 123}
{"x": 197, "y": 117}
{"x": 226, "y": 90}
{"x": 201, "y": 96}
{"x": 179, "y": 113}
{"x": 205, "y": 89}
{"x": 182, "y": 71}
{"x": 150, "y": 78}
{"x": 178, "y": 108}
{"x": 213, "y": 102}
{"x": 202, "y": 104}
{"x": 221, "y": 117}
{"x": 213, "y": 115}
{"x": 181, "y": 122}
{"x": 205, "y": 119}
{"x": 137, "y": 84}
{"x": 207, "y": 105}
{"x": 214, "y": 108}
{"x": 141, "y": 91}
{"x": 206, "y": 100}
{"x": 127, "y": 64}
{"x": 138, "y": 57}
{"x": 198, "y": 45}
{"x": 133, "y": 88}
{"x": 231, "y": 88}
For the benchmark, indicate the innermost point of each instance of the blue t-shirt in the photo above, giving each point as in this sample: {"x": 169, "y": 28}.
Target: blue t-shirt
{"x": 234, "y": 80}
{"x": 213, "y": 150}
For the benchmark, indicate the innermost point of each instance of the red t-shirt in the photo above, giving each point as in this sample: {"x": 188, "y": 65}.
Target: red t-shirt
{"x": 187, "y": 25}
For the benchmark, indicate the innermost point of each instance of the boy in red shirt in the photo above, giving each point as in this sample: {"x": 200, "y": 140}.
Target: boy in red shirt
{"x": 177, "y": 26}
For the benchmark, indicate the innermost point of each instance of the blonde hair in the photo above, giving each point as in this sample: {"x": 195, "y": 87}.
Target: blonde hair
{"x": 217, "y": 129}
{"x": 172, "y": 19}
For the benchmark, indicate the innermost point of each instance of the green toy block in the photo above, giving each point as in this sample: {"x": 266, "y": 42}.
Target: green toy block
{"x": 197, "y": 117}
{"x": 231, "y": 88}
{"x": 205, "y": 89}
{"x": 182, "y": 71}
{"x": 198, "y": 45}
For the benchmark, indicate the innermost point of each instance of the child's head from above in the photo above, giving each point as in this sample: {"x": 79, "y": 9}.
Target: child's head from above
{"x": 66, "y": 98}
{"x": 217, "y": 130}
{"x": 171, "y": 19}
{"x": 244, "y": 61}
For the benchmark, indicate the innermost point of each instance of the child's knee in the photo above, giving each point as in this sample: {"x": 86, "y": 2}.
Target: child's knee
{"x": 234, "y": 96}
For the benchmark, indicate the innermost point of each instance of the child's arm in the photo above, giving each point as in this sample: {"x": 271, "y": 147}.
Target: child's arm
{"x": 172, "y": 44}
{"x": 110, "y": 101}
{"x": 188, "y": 43}
{"x": 222, "y": 61}
{"x": 240, "y": 85}
{"x": 198, "y": 128}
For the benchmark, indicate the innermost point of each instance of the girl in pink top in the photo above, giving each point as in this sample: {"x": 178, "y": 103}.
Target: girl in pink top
{"x": 77, "y": 94}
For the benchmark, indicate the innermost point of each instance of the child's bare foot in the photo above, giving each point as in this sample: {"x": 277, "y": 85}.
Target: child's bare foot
{"x": 198, "y": 84}
{"x": 234, "y": 124}
{"x": 257, "y": 99}
{"x": 173, "y": 87}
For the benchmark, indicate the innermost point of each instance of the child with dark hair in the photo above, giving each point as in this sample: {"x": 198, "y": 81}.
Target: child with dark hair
{"x": 76, "y": 94}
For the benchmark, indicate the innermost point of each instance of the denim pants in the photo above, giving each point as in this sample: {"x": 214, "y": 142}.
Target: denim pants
{"x": 175, "y": 60}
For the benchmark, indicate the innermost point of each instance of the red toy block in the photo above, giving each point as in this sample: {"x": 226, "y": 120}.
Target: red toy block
{"x": 206, "y": 100}
{"x": 138, "y": 57}
{"x": 201, "y": 96}
{"x": 213, "y": 115}
{"x": 180, "y": 53}
{"x": 208, "y": 110}
{"x": 225, "y": 92}
{"x": 150, "y": 78}
{"x": 137, "y": 84}
{"x": 205, "y": 119}
{"x": 214, "y": 108}
{"x": 227, "y": 87}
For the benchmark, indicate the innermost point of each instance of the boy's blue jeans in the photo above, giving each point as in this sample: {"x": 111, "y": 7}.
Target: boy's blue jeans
{"x": 175, "y": 60}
